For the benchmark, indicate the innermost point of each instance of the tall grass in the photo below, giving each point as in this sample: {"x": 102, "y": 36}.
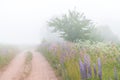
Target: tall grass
{"x": 6, "y": 55}
{"x": 83, "y": 60}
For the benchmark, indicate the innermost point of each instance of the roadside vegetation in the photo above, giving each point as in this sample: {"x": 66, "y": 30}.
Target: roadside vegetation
{"x": 28, "y": 58}
{"x": 81, "y": 61}
{"x": 87, "y": 52}
{"x": 6, "y": 55}
{"x": 27, "y": 67}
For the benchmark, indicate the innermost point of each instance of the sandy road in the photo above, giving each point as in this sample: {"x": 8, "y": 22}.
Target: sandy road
{"x": 41, "y": 70}
{"x": 15, "y": 68}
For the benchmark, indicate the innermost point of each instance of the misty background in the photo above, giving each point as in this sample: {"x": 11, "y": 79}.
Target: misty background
{"x": 25, "y": 21}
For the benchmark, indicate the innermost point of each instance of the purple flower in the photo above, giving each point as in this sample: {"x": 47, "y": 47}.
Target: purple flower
{"x": 95, "y": 71}
{"x": 82, "y": 70}
{"x": 88, "y": 67}
{"x": 99, "y": 69}
{"x": 115, "y": 74}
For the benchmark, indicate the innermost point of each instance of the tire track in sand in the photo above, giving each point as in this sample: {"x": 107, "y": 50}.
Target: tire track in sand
{"x": 41, "y": 70}
{"x": 15, "y": 68}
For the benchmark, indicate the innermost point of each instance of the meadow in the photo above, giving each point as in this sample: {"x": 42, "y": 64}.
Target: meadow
{"x": 83, "y": 60}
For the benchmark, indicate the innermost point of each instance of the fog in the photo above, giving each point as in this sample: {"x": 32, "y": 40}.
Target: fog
{"x": 24, "y": 21}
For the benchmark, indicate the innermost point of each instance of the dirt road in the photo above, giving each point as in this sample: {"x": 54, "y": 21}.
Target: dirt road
{"x": 41, "y": 70}
{"x": 14, "y": 69}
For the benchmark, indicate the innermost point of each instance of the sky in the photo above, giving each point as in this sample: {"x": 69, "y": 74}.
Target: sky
{"x": 24, "y": 21}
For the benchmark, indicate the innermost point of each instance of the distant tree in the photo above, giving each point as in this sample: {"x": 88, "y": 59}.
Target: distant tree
{"x": 72, "y": 26}
{"x": 104, "y": 34}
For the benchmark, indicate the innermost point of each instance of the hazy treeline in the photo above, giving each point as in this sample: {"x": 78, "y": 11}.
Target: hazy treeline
{"x": 75, "y": 26}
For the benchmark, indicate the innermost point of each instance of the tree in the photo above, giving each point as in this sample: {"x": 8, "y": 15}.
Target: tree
{"x": 104, "y": 34}
{"x": 72, "y": 26}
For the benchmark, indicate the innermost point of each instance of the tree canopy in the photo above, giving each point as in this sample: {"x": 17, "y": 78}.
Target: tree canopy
{"x": 72, "y": 26}
{"x": 104, "y": 34}
{"x": 75, "y": 26}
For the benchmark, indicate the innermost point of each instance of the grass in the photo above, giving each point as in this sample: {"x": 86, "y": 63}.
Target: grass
{"x": 28, "y": 58}
{"x": 6, "y": 55}
{"x": 27, "y": 67}
{"x": 65, "y": 58}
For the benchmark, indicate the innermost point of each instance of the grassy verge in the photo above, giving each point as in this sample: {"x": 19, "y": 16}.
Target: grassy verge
{"x": 6, "y": 55}
{"x": 27, "y": 67}
{"x": 67, "y": 58}
{"x": 28, "y": 58}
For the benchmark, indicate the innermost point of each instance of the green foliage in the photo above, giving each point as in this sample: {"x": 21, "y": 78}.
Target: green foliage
{"x": 66, "y": 57}
{"x": 104, "y": 34}
{"x": 7, "y": 53}
{"x": 72, "y": 26}
{"x": 75, "y": 26}
{"x": 28, "y": 58}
